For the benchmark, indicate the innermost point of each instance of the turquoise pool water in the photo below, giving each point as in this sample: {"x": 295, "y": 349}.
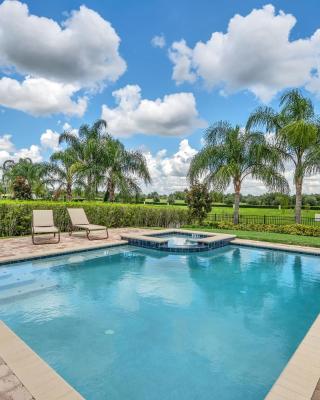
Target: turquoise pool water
{"x": 176, "y": 240}
{"x": 133, "y": 323}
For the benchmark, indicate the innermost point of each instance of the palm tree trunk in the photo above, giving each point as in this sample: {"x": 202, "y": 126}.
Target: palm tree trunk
{"x": 298, "y": 183}
{"x": 69, "y": 192}
{"x": 237, "y": 189}
{"x": 111, "y": 190}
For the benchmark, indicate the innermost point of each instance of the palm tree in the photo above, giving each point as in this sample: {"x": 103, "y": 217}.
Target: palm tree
{"x": 103, "y": 160}
{"x": 33, "y": 174}
{"x": 297, "y": 136}
{"x": 87, "y": 147}
{"x": 61, "y": 172}
{"x": 122, "y": 169}
{"x": 230, "y": 155}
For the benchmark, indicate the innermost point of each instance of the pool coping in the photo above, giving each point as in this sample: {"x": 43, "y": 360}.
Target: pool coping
{"x": 36, "y": 377}
{"x": 292, "y": 248}
{"x": 55, "y": 253}
{"x": 300, "y": 378}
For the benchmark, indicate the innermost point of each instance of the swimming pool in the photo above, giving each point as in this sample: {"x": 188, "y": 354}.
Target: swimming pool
{"x": 137, "y": 323}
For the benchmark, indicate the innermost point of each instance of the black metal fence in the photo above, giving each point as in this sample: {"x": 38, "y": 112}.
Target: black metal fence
{"x": 263, "y": 219}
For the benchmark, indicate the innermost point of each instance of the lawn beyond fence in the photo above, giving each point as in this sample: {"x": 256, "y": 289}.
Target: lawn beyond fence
{"x": 262, "y": 219}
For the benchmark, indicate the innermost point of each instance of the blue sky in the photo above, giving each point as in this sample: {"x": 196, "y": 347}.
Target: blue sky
{"x": 248, "y": 64}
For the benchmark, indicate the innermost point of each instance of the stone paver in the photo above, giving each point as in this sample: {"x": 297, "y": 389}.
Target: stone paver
{"x": 22, "y": 248}
{"x": 11, "y": 387}
{"x": 316, "y": 394}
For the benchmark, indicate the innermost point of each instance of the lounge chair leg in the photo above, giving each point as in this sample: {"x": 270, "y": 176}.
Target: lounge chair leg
{"x": 38, "y": 243}
{"x": 97, "y": 238}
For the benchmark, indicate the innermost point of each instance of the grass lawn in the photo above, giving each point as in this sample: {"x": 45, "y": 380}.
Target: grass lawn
{"x": 268, "y": 236}
{"x": 261, "y": 211}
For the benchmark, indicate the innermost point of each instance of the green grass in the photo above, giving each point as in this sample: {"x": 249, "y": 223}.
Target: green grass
{"x": 267, "y": 236}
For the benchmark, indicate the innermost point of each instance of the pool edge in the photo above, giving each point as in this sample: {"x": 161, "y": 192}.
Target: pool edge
{"x": 39, "y": 380}
{"x": 300, "y": 377}
{"x": 55, "y": 253}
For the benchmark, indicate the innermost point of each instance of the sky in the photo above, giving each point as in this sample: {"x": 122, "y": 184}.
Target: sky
{"x": 158, "y": 71}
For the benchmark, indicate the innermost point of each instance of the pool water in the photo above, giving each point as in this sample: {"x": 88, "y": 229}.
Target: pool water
{"x": 133, "y": 323}
{"x": 176, "y": 240}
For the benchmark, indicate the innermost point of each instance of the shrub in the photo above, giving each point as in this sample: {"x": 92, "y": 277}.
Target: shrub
{"x": 21, "y": 189}
{"x": 292, "y": 229}
{"x": 199, "y": 201}
{"x": 15, "y": 216}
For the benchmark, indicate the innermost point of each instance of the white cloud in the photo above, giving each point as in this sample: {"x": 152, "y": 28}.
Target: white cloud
{"x": 55, "y": 60}
{"x": 158, "y": 41}
{"x": 6, "y": 143}
{"x": 254, "y": 54}
{"x": 67, "y": 127}
{"x": 168, "y": 173}
{"x": 174, "y": 115}
{"x": 50, "y": 140}
{"x": 83, "y": 50}
{"x": 33, "y": 152}
{"x": 8, "y": 151}
{"x": 39, "y": 96}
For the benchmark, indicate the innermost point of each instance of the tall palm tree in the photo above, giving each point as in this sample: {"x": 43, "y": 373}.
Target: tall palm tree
{"x": 102, "y": 160}
{"x": 61, "y": 172}
{"x": 297, "y": 136}
{"x": 122, "y": 169}
{"x": 230, "y": 155}
{"x": 87, "y": 146}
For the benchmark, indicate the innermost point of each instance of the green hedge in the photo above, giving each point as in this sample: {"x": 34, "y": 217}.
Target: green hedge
{"x": 15, "y": 216}
{"x": 294, "y": 229}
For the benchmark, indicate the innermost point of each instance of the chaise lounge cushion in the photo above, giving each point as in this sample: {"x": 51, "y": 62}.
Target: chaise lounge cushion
{"x": 91, "y": 227}
{"x": 45, "y": 229}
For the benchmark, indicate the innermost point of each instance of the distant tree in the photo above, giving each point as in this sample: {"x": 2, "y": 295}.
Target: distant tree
{"x": 171, "y": 199}
{"x": 217, "y": 197}
{"x": 199, "y": 201}
{"x": 178, "y": 195}
{"x": 155, "y": 197}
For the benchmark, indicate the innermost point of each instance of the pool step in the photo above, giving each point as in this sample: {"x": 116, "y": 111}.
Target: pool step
{"x": 16, "y": 282}
{"x": 5, "y": 275}
{"x": 36, "y": 287}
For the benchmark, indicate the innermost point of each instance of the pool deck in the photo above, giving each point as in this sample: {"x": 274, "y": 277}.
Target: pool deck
{"x": 21, "y": 248}
{"x": 25, "y": 376}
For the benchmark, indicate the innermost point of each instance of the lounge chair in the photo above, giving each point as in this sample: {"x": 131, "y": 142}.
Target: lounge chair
{"x": 42, "y": 223}
{"x": 79, "y": 220}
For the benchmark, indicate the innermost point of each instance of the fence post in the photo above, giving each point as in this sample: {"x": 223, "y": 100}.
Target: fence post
{"x": 264, "y": 219}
